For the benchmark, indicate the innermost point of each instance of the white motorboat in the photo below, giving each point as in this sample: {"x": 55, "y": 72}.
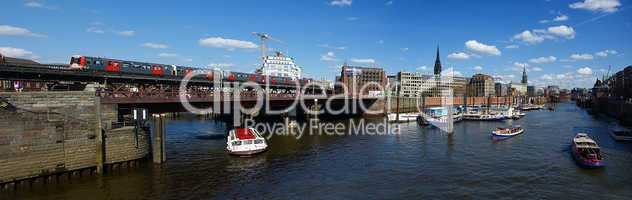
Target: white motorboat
{"x": 245, "y": 142}
{"x": 403, "y": 117}
{"x": 620, "y": 133}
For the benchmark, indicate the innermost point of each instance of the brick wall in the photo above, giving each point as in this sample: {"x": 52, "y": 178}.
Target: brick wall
{"x": 49, "y": 132}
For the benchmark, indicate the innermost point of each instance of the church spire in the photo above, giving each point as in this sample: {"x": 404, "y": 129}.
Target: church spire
{"x": 437, "y": 66}
{"x": 524, "y": 75}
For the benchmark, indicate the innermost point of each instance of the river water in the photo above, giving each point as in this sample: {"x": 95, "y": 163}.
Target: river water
{"x": 416, "y": 163}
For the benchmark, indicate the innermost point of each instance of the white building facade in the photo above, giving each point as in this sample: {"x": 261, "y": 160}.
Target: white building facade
{"x": 282, "y": 66}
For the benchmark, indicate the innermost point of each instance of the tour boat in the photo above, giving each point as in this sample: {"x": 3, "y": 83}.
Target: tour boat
{"x": 502, "y": 133}
{"x": 403, "y": 117}
{"x": 586, "y": 152}
{"x": 620, "y": 133}
{"x": 245, "y": 142}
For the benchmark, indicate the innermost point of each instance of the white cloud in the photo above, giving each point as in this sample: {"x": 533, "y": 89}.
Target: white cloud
{"x": 539, "y": 60}
{"x": 582, "y": 57}
{"x": 561, "y": 18}
{"x": 33, "y": 4}
{"x": 529, "y": 37}
{"x": 38, "y": 4}
{"x": 363, "y": 60}
{"x": 459, "y": 56}
{"x": 608, "y": 6}
{"x": 154, "y": 45}
{"x": 518, "y": 65}
{"x": 539, "y": 35}
{"x": 230, "y": 44}
{"x": 536, "y": 69}
{"x": 405, "y": 49}
{"x": 329, "y": 56}
{"x": 562, "y": 31}
{"x": 352, "y": 18}
{"x": 95, "y": 30}
{"x": 16, "y": 52}
{"x": 17, "y": 31}
{"x": 422, "y": 68}
{"x": 388, "y": 3}
{"x": 128, "y": 33}
{"x": 585, "y": 71}
{"x": 167, "y": 55}
{"x": 341, "y": 3}
{"x": 512, "y": 46}
{"x": 476, "y": 46}
{"x": 332, "y": 47}
{"x": 478, "y": 68}
{"x": 451, "y": 72}
{"x": 605, "y": 53}
{"x": 547, "y": 77}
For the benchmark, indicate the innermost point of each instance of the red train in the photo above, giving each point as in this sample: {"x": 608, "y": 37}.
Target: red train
{"x": 122, "y": 66}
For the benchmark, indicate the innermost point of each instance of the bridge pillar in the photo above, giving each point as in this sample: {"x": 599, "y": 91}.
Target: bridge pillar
{"x": 158, "y": 139}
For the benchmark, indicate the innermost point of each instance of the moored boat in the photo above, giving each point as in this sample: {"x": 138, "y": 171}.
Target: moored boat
{"x": 509, "y": 132}
{"x": 586, "y": 152}
{"x": 403, "y": 117}
{"x": 518, "y": 115}
{"x": 245, "y": 142}
{"x": 484, "y": 117}
{"x": 620, "y": 133}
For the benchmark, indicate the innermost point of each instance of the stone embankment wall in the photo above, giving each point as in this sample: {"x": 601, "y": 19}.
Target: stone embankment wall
{"x": 45, "y": 133}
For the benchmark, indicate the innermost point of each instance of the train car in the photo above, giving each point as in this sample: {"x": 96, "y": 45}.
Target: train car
{"x": 113, "y": 65}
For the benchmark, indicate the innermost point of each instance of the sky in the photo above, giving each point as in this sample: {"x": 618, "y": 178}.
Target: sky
{"x": 561, "y": 42}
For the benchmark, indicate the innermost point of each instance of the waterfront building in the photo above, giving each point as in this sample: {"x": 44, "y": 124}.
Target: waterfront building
{"x": 502, "y": 89}
{"x": 412, "y": 84}
{"x": 417, "y": 84}
{"x": 481, "y": 85}
{"x": 391, "y": 85}
{"x": 553, "y": 91}
{"x": 280, "y": 65}
{"x": 540, "y": 91}
{"x": 620, "y": 84}
{"x": 531, "y": 91}
{"x": 354, "y": 78}
{"x": 521, "y": 89}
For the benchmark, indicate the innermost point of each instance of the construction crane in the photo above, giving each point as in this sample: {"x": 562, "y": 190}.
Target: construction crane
{"x": 264, "y": 37}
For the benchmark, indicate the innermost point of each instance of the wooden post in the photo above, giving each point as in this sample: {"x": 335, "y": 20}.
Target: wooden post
{"x": 100, "y": 145}
{"x": 158, "y": 139}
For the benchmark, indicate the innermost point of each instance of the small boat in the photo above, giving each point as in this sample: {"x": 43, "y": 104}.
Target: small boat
{"x": 403, "y": 117}
{"x": 586, "y": 152}
{"x": 518, "y": 115}
{"x": 502, "y": 133}
{"x": 245, "y": 142}
{"x": 620, "y": 133}
{"x": 442, "y": 120}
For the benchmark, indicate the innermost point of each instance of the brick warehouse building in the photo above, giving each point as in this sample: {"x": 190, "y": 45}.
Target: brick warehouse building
{"x": 355, "y": 77}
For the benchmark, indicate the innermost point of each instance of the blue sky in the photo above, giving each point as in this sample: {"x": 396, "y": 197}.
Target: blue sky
{"x": 566, "y": 42}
